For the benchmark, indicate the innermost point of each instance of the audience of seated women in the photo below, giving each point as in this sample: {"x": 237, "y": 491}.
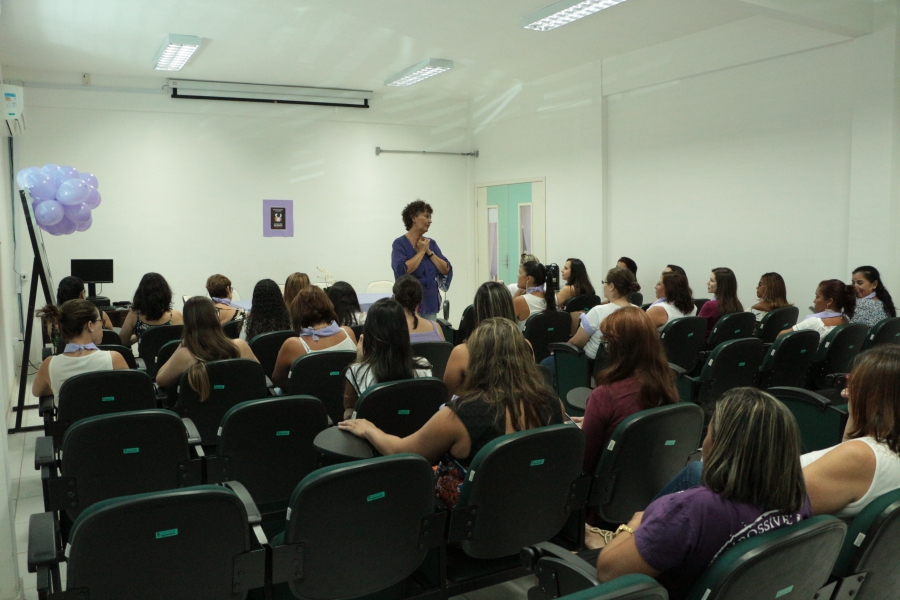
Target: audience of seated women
{"x": 752, "y": 483}
{"x": 408, "y": 292}
{"x": 315, "y": 322}
{"x": 771, "y": 293}
{"x": 268, "y": 313}
{"x": 577, "y": 282}
{"x": 219, "y": 289}
{"x": 295, "y": 283}
{"x": 203, "y": 341}
{"x": 617, "y": 287}
{"x": 79, "y": 324}
{"x": 674, "y": 299}
{"x": 723, "y": 285}
{"x": 537, "y": 295}
{"x": 151, "y": 307}
{"x": 383, "y": 353}
{"x": 834, "y": 304}
{"x": 873, "y": 303}
{"x": 346, "y": 304}
{"x": 491, "y": 300}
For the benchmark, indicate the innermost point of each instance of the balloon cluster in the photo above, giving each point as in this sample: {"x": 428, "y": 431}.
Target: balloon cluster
{"x": 62, "y": 197}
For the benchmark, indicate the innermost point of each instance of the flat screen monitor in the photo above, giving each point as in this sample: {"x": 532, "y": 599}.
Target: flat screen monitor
{"x": 93, "y": 270}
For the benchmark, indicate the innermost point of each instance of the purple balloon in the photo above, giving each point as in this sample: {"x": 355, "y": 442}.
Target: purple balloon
{"x": 78, "y": 213}
{"x": 72, "y": 191}
{"x": 42, "y": 186}
{"x": 93, "y": 199}
{"x": 49, "y": 213}
{"x": 49, "y": 169}
{"x": 22, "y": 176}
{"x": 64, "y": 227}
{"x": 90, "y": 178}
{"x": 84, "y": 226}
{"x": 65, "y": 172}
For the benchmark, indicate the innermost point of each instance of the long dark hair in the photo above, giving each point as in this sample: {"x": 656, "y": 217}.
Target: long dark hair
{"x": 269, "y": 312}
{"x": 726, "y": 291}
{"x": 678, "y": 292}
{"x": 345, "y": 301}
{"x": 153, "y": 297}
{"x": 843, "y": 295}
{"x": 386, "y": 348}
{"x": 408, "y": 292}
{"x": 540, "y": 273}
{"x": 632, "y": 266}
{"x": 492, "y": 299}
{"x": 70, "y": 288}
{"x": 578, "y": 277}
{"x": 205, "y": 340}
{"x": 874, "y": 402}
{"x": 873, "y": 276}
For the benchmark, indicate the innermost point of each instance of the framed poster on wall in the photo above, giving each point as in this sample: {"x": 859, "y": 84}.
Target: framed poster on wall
{"x": 278, "y": 218}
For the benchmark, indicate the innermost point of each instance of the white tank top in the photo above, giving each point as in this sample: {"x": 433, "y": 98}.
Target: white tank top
{"x": 344, "y": 344}
{"x": 673, "y": 312}
{"x": 535, "y": 304}
{"x": 887, "y": 474}
{"x": 62, "y": 367}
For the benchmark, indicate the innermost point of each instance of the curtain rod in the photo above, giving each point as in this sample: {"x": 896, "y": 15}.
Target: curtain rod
{"x": 378, "y": 151}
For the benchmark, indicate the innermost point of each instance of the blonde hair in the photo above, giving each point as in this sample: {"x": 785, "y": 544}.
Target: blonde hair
{"x": 296, "y": 283}
{"x": 205, "y": 340}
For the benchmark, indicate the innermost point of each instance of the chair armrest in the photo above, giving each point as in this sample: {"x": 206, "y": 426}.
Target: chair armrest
{"x": 679, "y": 372}
{"x": 836, "y": 380}
{"x": 254, "y": 517}
{"x": 41, "y": 541}
{"x": 445, "y": 323}
{"x": 559, "y": 572}
{"x": 46, "y": 406}
{"x": 194, "y": 438}
{"x": 43, "y": 452}
{"x": 565, "y": 347}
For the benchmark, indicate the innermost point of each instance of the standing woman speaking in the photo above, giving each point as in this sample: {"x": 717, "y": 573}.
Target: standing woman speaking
{"x": 416, "y": 255}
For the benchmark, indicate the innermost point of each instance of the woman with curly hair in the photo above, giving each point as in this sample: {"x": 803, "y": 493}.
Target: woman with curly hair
{"x": 151, "y": 307}
{"x": 269, "y": 312}
{"x": 419, "y": 256}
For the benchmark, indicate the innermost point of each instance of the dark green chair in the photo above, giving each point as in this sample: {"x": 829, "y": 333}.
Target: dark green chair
{"x": 447, "y": 329}
{"x": 545, "y": 328}
{"x": 233, "y": 329}
{"x": 321, "y": 375}
{"x": 886, "y": 331}
{"x": 182, "y": 545}
{"x": 582, "y": 303}
{"x": 466, "y": 325}
{"x": 151, "y": 342}
{"x": 401, "y": 408}
{"x": 358, "y": 528}
{"x": 868, "y": 566}
{"x": 787, "y": 361}
{"x": 683, "y": 338}
{"x": 836, "y": 351}
{"x": 776, "y": 321}
{"x": 699, "y": 302}
{"x": 731, "y": 364}
{"x": 733, "y": 326}
{"x": 793, "y": 560}
{"x": 266, "y": 347}
{"x": 436, "y": 353}
{"x": 573, "y": 370}
{"x": 821, "y": 422}
{"x": 166, "y": 352}
{"x": 126, "y": 353}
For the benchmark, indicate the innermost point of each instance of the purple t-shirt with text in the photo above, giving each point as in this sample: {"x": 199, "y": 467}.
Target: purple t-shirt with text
{"x": 681, "y": 534}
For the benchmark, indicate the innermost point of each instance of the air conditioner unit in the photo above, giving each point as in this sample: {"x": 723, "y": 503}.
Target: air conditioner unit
{"x": 13, "y": 115}
{"x": 277, "y": 94}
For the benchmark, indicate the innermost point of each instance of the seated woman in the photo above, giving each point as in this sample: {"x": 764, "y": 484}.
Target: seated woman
{"x": 151, "y": 307}
{"x": 577, "y": 282}
{"x": 514, "y": 287}
{"x": 72, "y": 288}
{"x": 537, "y": 292}
{"x": 771, "y": 294}
{"x": 203, "y": 341}
{"x": 617, "y": 288}
{"x": 503, "y": 393}
{"x": 384, "y": 353}
{"x": 843, "y": 479}
{"x": 723, "y": 285}
{"x": 873, "y": 303}
{"x": 269, "y": 312}
{"x": 491, "y": 300}
{"x": 295, "y": 283}
{"x": 408, "y": 292}
{"x": 752, "y": 483}
{"x": 78, "y": 322}
{"x": 219, "y": 289}
{"x": 675, "y": 299}
{"x": 346, "y": 304}
{"x": 314, "y": 320}
{"x": 834, "y": 304}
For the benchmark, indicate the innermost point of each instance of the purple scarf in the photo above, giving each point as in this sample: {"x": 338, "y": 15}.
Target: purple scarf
{"x": 224, "y": 301}
{"x": 586, "y": 324}
{"x": 872, "y": 295}
{"x": 659, "y": 301}
{"x": 77, "y": 347}
{"x": 324, "y": 332}
{"x": 825, "y": 314}
{"x": 537, "y": 288}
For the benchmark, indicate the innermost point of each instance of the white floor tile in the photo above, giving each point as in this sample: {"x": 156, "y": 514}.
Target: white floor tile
{"x": 21, "y": 538}
{"x": 15, "y": 440}
{"x": 25, "y": 507}
{"x": 31, "y": 594}
{"x": 14, "y": 486}
{"x": 29, "y": 488}
{"x": 29, "y": 580}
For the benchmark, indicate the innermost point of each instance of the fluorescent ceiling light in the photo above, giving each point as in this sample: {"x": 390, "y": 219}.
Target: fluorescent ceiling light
{"x": 176, "y": 51}
{"x": 416, "y": 73}
{"x": 564, "y": 12}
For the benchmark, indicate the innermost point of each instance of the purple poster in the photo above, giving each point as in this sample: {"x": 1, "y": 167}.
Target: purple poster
{"x": 278, "y": 218}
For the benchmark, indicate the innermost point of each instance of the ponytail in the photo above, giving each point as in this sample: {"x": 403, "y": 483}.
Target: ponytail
{"x": 842, "y": 295}
{"x": 542, "y": 276}
{"x": 550, "y": 287}
{"x": 849, "y": 301}
{"x": 198, "y": 379}
{"x": 872, "y": 275}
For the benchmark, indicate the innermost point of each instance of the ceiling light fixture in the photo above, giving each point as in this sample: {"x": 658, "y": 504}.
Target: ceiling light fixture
{"x": 564, "y": 12}
{"x": 418, "y": 72}
{"x": 176, "y": 51}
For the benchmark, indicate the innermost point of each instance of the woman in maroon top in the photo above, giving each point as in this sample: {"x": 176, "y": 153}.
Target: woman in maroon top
{"x": 723, "y": 285}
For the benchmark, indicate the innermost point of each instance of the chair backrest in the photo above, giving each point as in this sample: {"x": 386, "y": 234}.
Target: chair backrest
{"x": 699, "y": 302}
{"x": 166, "y": 352}
{"x": 821, "y": 424}
{"x": 776, "y": 321}
{"x": 111, "y": 337}
{"x": 521, "y": 484}
{"x": 152, "y": 340}
{"x": 101, "y": 393}
{"x": 733, "y": 326}
{"x": 382, "y": 287}
{"x": 437, "y": 353}
{"x": 357, "y": 330}
{"x": 787, "y": 361}
{"x": 573, "y": 370}
{"x": 836, "y": 351}
{"x": 175, "y": 544}
{"x": 402, "y": 407}
{"x": 545, "y": 328}
{"x": 645, "y": 452}
{"x": 682, "y": 338}
{"x": 321, "y": 374}
{"x": 585, "y": 302}
{"x": 886, "y": 331}
{"x": 378, "y": 505}
{"x": 266, "y": 347}
{"x": 447, "y": 330}
{"x": 267, "y": 445}
{"x": 870, "y": 547}
{"x": 124, "y": 351}
{"x": 466, "y": 325}
{"x": 637, "y": 298}
{"x": 732, "y": 364}
{"x": 233, "y": 329}
{"x": 793, "y": 560}
{"x": 231, "y": 382}
{"x": 125, "y": 453}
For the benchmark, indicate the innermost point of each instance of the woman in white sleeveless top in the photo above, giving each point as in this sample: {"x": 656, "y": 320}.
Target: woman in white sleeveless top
{"x": 843, "y": 479}
{"x": 674, "y": 299}
{"x": 538, "y": 293}
{"x": 81, "y": 327}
